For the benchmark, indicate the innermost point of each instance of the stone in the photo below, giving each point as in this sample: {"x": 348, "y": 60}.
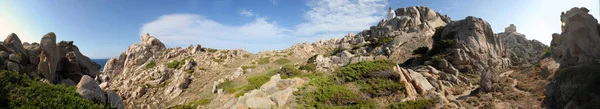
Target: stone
{"x": 14, "y": 58}
{"x": 419, "y": 82}
{"x": 272, "y": 83}
{"x": 13, "y": 42}
{"x": 282, "y": 97}
{"x": 237, "y": 73}
{"x": 89, "y": 89}
{"x": 152, "y": 41}
{"x": 12, "y": 66}
{"x": 33, "y": 50}
{"x": 115, "y": 99}
{"x": 48, "y": 57}
{"x": 4, "y": 55}
{"x": 259, "y": 102}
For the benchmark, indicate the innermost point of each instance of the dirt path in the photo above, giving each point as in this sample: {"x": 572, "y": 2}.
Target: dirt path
{"x": 513, "y": 86}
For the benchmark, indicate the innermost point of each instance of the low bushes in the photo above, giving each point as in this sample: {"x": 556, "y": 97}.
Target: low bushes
{"x": 19, "y": 91}
{"x": 282, "y": 61}
{"x": 414, "y": 104}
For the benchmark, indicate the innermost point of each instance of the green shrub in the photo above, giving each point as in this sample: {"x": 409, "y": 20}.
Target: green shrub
{"x": 264, "y": 60}
{"x": 308, "y": 67}
{"x": 380, "y": 86}
{"x": 248, "y": 67}
{"x": 246, "y": 55}
{"x": 382, "y": 40}
{"x": 150, "y": 65}
{"x": 202, "y": 69}
{"x": 182, "y": 107}
{"x": 282, "y": 61}
{"x": 359, "y": 70}
{"x": 420, "y": 51}
{"x": 255, "y": 82}
{"x": 414, "y": 104}
{"x": 289, "y": 70}
{"x": 191, "y": 71}
{"x": 326, "y": 95}
{"x": 173, "y": 64}
{"x": 212, "y": 50}
{"x": 227, "y": 86}
{"x": 19, "y": 91}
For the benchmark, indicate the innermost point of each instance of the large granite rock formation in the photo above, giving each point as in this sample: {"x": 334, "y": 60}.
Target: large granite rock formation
{"x": 473, "y": 43}
{"x": 520, "y": 51}
{"x": 577, "y": 49}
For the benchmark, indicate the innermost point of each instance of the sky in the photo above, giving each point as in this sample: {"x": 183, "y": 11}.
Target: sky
{"x": 105, "y": 28}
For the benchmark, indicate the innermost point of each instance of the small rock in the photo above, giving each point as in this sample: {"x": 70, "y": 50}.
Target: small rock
{"x": 259, "y": 102}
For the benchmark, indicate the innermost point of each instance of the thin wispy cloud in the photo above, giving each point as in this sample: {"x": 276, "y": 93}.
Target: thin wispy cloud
{"x": 247, "y": 13}
{"x": 274, "y": 2}
{"x": 324, "y": 19}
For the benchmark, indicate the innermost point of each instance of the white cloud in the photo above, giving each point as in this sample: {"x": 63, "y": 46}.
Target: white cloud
{"x": 325, "y": 19}
{"x": 185, "y": 29}
{"x": 340, "y": 17}
{"x": 247, "y": 13}
{"x": 275, "y": 2}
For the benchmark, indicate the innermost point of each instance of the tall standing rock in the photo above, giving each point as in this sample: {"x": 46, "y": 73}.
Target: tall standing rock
{"x": 476, "y": 45}
{"x": 48, "y": 57}
{"x": 579, "y": 43}
{"x": 576, "y": 83}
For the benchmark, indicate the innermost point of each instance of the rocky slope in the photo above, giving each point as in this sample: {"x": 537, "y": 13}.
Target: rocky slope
{"x": 417, "y": 57}
{"x": 56, "y": 63}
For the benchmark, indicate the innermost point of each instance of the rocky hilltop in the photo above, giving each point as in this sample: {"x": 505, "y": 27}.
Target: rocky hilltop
{"x": 416, "y": 58}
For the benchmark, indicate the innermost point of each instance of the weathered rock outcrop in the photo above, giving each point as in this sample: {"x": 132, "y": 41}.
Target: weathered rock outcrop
{"x": 578, "y": 43}
{"x": 473, "y": 45}
{"x": 577, "y": 49}
{"x": 521, "y": 52}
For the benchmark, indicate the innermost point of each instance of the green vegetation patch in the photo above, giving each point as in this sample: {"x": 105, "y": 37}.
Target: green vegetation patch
{"x": 379, "y": 86}
{"x": 264, "y": 60}
{"x": 382, "y": 40}
{"x": 282, "y": 61}
{"x": 19, "y": 91}
{"x": 150, "y": 65}
{"x": 227, "y": 86}
{"x": 414, "y": 104}
{"x": 289, "y": 70}
{"x": 360, "y": 70}
{"x": 194, "y": 104}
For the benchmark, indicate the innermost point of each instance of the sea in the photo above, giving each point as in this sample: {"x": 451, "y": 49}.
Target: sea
{"x": 101, "y": 62}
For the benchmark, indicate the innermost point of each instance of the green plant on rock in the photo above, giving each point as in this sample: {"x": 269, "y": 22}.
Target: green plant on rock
{"x": 150, "y": 65}
{"x": 289, "y": 70}
{"x": 380, "y": 86}
{"x": 255, "y": 82}
{"x": 173, "y": 64}
{"x": 361, "y": 69}
{"x": 382, "y": 40}
{"x": 327, "y": 94}
{"x": 414, "y": 104}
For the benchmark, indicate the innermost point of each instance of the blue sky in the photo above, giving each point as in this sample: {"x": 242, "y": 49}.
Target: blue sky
{"x": 105, "y": 28}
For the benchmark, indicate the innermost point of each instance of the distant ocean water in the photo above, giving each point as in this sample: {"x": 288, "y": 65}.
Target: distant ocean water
{"x": 101, "y": 62}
